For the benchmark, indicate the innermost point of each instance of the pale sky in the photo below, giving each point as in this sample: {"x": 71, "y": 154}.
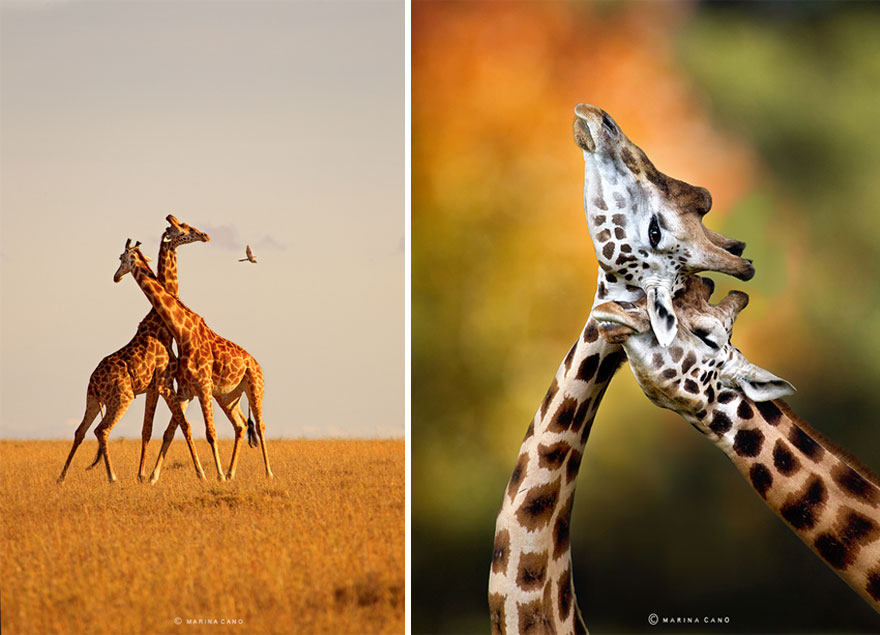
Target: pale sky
{"x": 279, "y": 125}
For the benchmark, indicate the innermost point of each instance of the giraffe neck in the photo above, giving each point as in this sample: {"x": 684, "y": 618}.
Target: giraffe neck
{"x": 531, "y": 583}
{"x": 166, "y": 269}
{"x": 825, "y": 496}
{"x": 177, "y": 318}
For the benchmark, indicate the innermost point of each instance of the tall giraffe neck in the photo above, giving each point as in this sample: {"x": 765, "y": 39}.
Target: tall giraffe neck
{"x": 829, "y": 500}
{"x": 531, "y": 581}
{"x": 166, "y": 268}
{"x": 177, "y": 318}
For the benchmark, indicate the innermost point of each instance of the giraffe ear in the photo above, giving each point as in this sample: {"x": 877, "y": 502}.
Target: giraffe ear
{"x": 762, "y": 385}
{"x": 662, "y": 315}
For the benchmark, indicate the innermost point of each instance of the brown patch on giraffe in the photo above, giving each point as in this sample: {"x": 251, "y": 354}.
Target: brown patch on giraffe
{"x": 675, "y": 353}
{"x": 581, "y": 416}
{"x": 619, "y": 220}
{"x": 570, "y": 356}
{"x": 802, "y": 510}
{"x": 873, "y": 584}
{"x": 608, "y": 250}
{"x": 496, "y": 614}
{"x": 565, "y": 594}
{"x": 619, "y": 234}
{"x": 629, "y": 160}
{"x": 691, "y": 386}
{"x": 851, "y": 531}
{"x": 721, "y": 423}
{"x": 563, "y": 418}
{"x": 783, "y": 459}
{"x": 553, "y": 456}
{"x": 532, "y": 570}
{"x": 501, "y": 552}
{"x": 743, "y": 410}
{"x": 603, "y": 235}
{"x": 769, "y": 411}
{"x": 854, "y": 484}
{"x": 598, "y": 220}
{"x": 562, "y": 529}
{"x": 573, "y": 465}
{"x": 600, "y": 203}
{"x": 805, "y": 443}
{"x": 588, "y": 367}
{"x": 519, "y": 473}
{"x": 657, "y": 361}
{"x": 748, "y": 442}
{"x": 761, "y": 478}
{"x": 534, "y": 618}
{"x": 726, "y": 396}
{"x": 689, "y": 360}
{"x": 609, "y": 365}
{"x": 669, "y": 373}
{"x": 591, "y": 332}
{"x": 551, "y": 392}
{"x": 537, "y": 509}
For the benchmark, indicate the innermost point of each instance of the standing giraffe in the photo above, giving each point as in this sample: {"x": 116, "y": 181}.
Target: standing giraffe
{"x": 648, "y": 235}
{"x": 145, "y": 365}
{"x": 209, "y": 365}
{"x": 824, "y": 495}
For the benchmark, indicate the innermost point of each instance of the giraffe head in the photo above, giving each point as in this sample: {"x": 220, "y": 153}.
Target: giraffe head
{"x": 647, "y": 228}
{"x": 129, "y": 259}
{"x": 701, "y": 364}
{"x": 178, "y": 233}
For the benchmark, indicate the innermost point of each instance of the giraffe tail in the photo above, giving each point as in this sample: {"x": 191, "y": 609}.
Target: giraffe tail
{"x": 252, "y": 430}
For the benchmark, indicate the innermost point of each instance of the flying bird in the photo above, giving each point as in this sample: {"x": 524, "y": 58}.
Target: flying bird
{"x": 249, "y": 254}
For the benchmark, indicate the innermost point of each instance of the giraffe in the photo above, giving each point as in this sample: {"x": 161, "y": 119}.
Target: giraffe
{"x": 824, "y": 495}
{"x": 648, "y": 235}
{"x": 145, "y": 365}
{"x": 209, "y": 365}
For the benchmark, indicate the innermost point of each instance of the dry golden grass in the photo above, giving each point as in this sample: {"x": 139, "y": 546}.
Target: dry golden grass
{"x": 319, "y": 549}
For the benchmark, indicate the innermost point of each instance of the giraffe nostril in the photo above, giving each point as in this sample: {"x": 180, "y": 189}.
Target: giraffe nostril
{"x": 609, "y": 125}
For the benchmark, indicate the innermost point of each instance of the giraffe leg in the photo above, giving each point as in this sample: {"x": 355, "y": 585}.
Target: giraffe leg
{"x": 178, "y": 418}
{"x": 254, "y": 391}
{"x": 210, "y": 432}
{"x": 114, "y": 414}
{"x": 257, "y": 408}
{"x": 147, "y": 429}
{"x": 93, "y": 408}
{"x": 229, "y": 405}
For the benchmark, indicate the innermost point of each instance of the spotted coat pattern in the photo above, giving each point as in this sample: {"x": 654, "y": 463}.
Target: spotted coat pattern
{"x": 624, "y": 194}
{"x": 823, "y": 493}
{"x": 209, "y": 366}
{"x": 146, "y": 364}
{"x": 531, "y": 585}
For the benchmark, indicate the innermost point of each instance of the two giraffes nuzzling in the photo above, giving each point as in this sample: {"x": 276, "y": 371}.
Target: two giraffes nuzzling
{"x": 652, "y": 310}
{"x": 208, "y": 366}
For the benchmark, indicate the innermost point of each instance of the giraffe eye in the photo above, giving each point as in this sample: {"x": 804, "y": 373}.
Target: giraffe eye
{"x": 654, "y": 233}
{"x": 704, "y": 336}
{"x": 609, "y": 125}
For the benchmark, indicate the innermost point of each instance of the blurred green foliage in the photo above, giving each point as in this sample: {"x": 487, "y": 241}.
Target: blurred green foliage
{"x": 503, "y": 276}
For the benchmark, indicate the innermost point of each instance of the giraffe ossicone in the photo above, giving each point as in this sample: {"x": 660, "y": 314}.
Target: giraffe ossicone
{"x": 825, "y": 496}
{"x": 647, "y": 228}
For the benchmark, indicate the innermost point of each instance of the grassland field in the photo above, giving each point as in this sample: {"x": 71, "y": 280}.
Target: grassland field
{"x": 319, "y": 549}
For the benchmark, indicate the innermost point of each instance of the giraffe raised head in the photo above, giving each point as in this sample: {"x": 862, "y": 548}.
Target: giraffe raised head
{"x": 178, "y": 233}
{"x": 128, "y": 259}
{"x": 701, "y": 364}
{"x": 647, "y": 228}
